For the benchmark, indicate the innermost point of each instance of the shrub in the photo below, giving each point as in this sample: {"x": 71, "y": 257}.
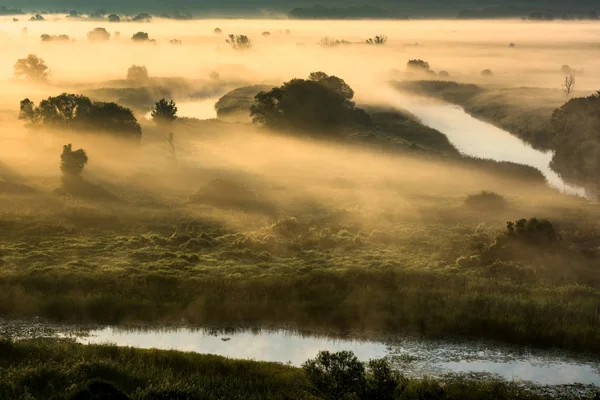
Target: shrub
{"x": 141, "y": 37}
{"x": 532, "y": 231}
{"x": 379, "y": 39}
{"x": 239, "y": 42}
{"x": 485, "y": 201}
{"x": 331, "y": 42}
{"x": 72, "y": 162}
{"x": 336, "y": 376}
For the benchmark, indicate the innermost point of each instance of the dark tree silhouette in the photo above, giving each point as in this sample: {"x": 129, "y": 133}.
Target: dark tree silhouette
{"x": 320, "y": 105}
{"x": 98, "y": 35}
{"x": 79, "y": 113}
{"x": 140, "y": 37}
{"x": 37, "y": 17}
{"x": 336, "y": 376}
{"x": 164, "y": 112}
{"x": 72, "y": 162}
{"x": 55, "y": 38}
{"x": 417, "y": 66}
{"x": 487, "y": 72}
{"x": 379, "y": 39}
{"x": 137, "y": 73}
{"x": 143, "y": 17}
{"x": 239, "y": 42}
{"x": 114, "y": 18}
{"x": 569, "y": 85}
{"x": 31, "y": 68}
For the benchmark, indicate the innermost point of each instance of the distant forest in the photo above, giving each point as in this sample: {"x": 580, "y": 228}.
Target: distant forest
{"x": 324, "y": 9}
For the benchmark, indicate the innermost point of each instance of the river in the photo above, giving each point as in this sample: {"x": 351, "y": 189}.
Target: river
{"x": 478, "y": 138}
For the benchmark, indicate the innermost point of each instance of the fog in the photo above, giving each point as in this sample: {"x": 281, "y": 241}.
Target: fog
{"x": 269, "y": 162}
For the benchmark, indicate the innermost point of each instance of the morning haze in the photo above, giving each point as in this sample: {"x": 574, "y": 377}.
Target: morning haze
{"x": 401, "y": 208}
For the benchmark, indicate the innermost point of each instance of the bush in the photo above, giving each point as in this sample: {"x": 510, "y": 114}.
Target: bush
{"x": 72, "y": 162}
{"x": 239, "y": 42}
{"x": 336, "y": 376}
{"x": 485, "y": 201}
{"x": 532, "y": 231}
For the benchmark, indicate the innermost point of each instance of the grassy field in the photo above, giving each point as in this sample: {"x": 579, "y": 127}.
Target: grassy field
{"x": 53, "y": 369}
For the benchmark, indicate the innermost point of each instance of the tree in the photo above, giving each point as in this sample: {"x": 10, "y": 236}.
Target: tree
{"x": 140, "y": 37}
{"x": 321, "y": 104}
{"x": 266, "y": 34}
{"x": 114, "y": 18}
{"x": 175, "y": 41}
{"x": 137, "y": 73}
{"x": 417, "y": 65}
{"x": 569, "y": 85}
{"x": 239, "y": 42}
{"x": 487, "y": 72}
{"x": 143, "y": 17}
{"x": 55, "y": 38}
{"x": 164, "y": 114}
{"x": 98, "y": 34}
{"x": 72, "y": 162}
{"x": 79, "y": 113}
{"x": 336, "y": 376}
{"x": 379, "y": 39}
{"x": 37, "y": 17}
{"x": 218, "y": 31}
{"x": 31, "y": 68}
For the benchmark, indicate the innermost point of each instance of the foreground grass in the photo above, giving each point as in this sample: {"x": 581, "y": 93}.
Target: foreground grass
{"x": 55, "y": 369}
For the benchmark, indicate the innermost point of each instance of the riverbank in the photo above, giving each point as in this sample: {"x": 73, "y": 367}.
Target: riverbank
{"x": 60, "y": 369}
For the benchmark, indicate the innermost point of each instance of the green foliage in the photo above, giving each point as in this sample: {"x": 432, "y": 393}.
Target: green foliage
{"x": 532, "y": 231}
{"x": 239, "y": 42}
{"x": 576, "y": 138}
{"x": 79, "y": 113}
{"x": 164, "y": 112}
{"x": 336, "y": 376}
{"x": 31, "y": 68}
{"x": 321, "y": 104}
{"x": 72, "y": 162}
{"x": 98, "y": 35}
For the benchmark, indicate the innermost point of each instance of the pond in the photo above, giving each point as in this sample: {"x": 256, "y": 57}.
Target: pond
{"x": 480, "y": 139}
{"x": 413, "y": 356}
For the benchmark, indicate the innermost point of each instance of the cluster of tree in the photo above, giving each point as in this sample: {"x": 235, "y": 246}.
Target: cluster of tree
{"x": 540, "y": 16}
{"x": 56, "y": 38}
{"x": 143, "y": 17}
{"x": 98, "y": 35}
{"x": 513, "y": 11}
{"x": 378, "y": 39}
{"x": 142, "y": 37}
{"x": 37, "y": 17}
{"x": 239, "y": 42}
{"x": 32, "y": 69}
{"x": 576, "y": 139}
{"x": 178, "y": 16}
{"x": 362, "y": 12}
{"x": 332, "y": 42}
{"x": 10, "y": 11}
{"x": 137, "y": 73}
{"x": 79, "y": 113}
{"x": 419, "y": 67}
{"x": 175, "y": 41}
{"x": 319, "y": 105}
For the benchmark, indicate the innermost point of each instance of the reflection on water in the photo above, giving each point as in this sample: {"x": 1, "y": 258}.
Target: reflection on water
{"x": 477, "y": 138}
{"x": 415, "y": 357}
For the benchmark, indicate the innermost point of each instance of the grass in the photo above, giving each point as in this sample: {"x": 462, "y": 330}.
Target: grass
{"x": 57, "y": 369}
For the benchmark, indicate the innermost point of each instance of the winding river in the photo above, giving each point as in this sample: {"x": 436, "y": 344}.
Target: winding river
{"x": 480, "y": 139}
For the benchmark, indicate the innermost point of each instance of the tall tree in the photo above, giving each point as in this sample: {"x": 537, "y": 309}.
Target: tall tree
{"x": 164, "y": 114}
{"x": 31, "y": 68}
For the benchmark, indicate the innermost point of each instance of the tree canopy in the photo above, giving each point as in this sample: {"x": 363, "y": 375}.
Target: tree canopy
{"x": 164, "y": 112}
{"x": 72, "y": 162}
{"x": 137, "y": 73}
{"x": 31, "y": 68}
{"x": 576, "y": 129}
{"x": 79, "y": 113}
{"x": 318, "y": 105}
{"x": 98, "y": 35}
